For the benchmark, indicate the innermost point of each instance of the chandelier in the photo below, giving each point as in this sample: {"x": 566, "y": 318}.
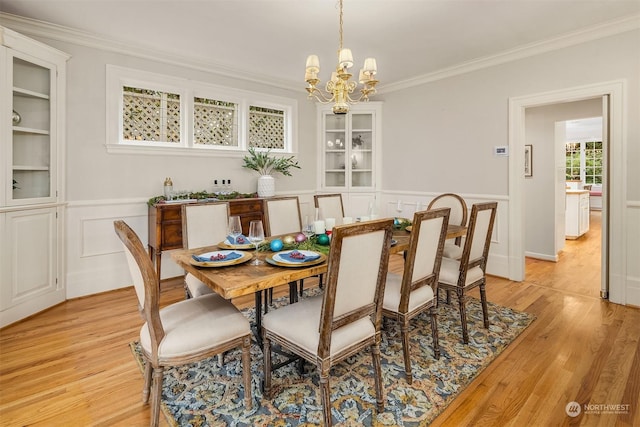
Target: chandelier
{"x": 339, "y": 88}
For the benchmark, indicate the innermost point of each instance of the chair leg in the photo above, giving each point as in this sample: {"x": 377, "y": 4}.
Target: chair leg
{"x": 463, "y": 316}
{"x": 266, "y": 356}
{"x": 146, "y": 388}
{"x": 246, "y": 371}
{"x": 434, "y": 332}
{"x": 377, "y": 371}
{"x": 404, "y": 332}
{"x": 483, "y": 300}
{"x": 156, "y": 395}
{"x": 326, "y": 396}
{"x": 448, "y": 296}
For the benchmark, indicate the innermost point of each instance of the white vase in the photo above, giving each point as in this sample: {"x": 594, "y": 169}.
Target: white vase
{"x": 266, "y": 186}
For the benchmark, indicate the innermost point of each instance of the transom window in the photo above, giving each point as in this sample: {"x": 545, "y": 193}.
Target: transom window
{"x": 154, "y": 112}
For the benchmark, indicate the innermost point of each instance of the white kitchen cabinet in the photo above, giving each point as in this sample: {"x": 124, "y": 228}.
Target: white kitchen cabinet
{"x": 32, "y": 205}
{"x": 576, "y": 213}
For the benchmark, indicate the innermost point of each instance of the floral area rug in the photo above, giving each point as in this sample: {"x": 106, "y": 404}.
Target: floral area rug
{"x": 207, "y": 394}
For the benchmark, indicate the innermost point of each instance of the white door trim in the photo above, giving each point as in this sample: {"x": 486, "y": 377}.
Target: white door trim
{"x": 614, "y": 199}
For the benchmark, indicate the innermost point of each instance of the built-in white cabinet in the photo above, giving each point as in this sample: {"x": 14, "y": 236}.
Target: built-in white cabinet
{"x": 32, "y": 104}
{"x": 576, "y": 213}
{"x": 349, "y": 153}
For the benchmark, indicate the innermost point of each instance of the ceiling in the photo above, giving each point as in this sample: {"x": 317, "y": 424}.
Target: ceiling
{"x": 272, "y": 38}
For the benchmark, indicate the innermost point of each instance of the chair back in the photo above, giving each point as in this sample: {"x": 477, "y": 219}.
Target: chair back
{"x": 282, "y": 216}
{"x": 144, "y": 279}
{"x": 458, "y": 206}
{"x": 424, "y": 256}
{"x": 204, "y": 224}
{"x": 478, "y": 237}
{"x": 355, "y": 278}
{"x": 330, "y": 206}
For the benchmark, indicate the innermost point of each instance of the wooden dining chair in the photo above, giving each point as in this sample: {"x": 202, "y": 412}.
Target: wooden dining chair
{"x": 330, "y": 206}
{"x": 346, "y": 318}
{"x": 184, "y": 332}
{"x": 460, "y": 276}
{"x": 458, "y": 217}
{"x": 202, "y": 225}
{"x": 415, "y": 291}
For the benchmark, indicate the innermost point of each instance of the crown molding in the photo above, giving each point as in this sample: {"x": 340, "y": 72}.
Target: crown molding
{"x": 36, "y": 28}
{"x": 600, "y": 31}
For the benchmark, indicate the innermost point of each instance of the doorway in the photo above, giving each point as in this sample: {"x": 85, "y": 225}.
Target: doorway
{"x": 612, "y": 253}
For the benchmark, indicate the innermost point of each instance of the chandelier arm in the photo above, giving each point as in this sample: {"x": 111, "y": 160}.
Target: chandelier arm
{"x": 319, "y": 95}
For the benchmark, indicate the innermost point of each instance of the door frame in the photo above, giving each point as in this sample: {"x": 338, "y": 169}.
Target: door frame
{"x": 613, "y": 222}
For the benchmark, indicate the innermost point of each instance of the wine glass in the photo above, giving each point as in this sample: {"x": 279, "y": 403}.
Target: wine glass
{"x": 235, "y": 228}
{"x": 256, "y": 236}
{"x": 307, "y": 226}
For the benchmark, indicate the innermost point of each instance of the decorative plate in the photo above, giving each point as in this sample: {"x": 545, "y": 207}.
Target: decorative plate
{"x": 227, "y": 245}
{"x": 282, "y": 258}
{"x": 244, "y": 257}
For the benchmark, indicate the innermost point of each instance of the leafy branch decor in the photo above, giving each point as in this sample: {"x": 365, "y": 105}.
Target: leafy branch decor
{"x": 265, "y": 164}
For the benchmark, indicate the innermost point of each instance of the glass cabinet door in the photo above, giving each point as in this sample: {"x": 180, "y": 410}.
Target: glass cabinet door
{"x": 335, "y": 150}
{"x": 361, "y": 150}
{"x": 32, "y": 120}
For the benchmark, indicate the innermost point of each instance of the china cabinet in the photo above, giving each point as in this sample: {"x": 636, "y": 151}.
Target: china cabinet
{"x": 349, "y": 156}
{"x": 31, "y": 190}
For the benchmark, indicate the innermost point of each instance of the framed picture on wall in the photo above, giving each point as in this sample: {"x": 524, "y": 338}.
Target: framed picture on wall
{"x": 528, "y": 161}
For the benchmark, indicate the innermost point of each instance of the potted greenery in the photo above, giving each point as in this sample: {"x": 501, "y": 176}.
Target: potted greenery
{"x": 265, "y": 164}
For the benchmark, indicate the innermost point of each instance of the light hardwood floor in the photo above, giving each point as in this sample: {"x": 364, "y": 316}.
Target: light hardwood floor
{"x": 71, "y": 365}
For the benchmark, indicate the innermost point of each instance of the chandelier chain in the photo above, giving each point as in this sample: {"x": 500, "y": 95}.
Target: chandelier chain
{"x": 340, "y": 26}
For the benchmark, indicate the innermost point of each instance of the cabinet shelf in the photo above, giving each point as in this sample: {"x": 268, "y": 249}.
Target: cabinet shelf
{"x": 30, "y": 131}
{"x": 30, "y": 168}
{"x": 17, "y": 91}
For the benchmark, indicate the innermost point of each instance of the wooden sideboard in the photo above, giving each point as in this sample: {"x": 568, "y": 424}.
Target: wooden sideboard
{"x": 165, "y": 224}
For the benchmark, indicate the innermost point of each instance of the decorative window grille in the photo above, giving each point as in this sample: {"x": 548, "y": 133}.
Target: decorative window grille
{"x": 150, "y": 115}
{"x": 266, "y": 128}
{"x": 215, "y": 122}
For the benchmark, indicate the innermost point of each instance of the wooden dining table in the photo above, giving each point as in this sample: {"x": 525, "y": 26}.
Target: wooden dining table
{"x": 245, "y": 279}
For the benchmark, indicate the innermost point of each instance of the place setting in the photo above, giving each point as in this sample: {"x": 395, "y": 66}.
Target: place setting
{"x": 235, "y": 239}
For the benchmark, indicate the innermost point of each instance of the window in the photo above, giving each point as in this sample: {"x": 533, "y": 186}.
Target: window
{"x": 215, "y": 122}
{"x": 584, "y": 162}
{"x": 266, "y": 128}
{"x": 152, "y": 113}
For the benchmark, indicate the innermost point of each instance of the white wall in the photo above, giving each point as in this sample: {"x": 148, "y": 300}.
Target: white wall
{"x": 439, "y": 136}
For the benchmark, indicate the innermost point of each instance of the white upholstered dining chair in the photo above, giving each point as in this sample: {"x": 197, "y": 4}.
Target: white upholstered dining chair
{"x": 181, "y": 333}
{"x": 460, "y": 276}
{"x": 282, "y": 216}
{"x": 330, "y": 206}
{"x": 202, "y": 225}
{"x": 415, "y": 291}
{"x": 346, "y": 318}
{"x": 458, "y": 217}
